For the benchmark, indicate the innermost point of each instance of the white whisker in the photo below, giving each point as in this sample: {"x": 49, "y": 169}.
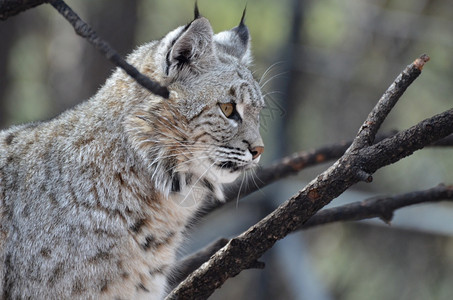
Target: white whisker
{"x": 268, "y": 71}
{"x": 254, "y": 176}
{"x": 271, "y": 93}
{"x": 271, "y": 78}
{"x": 244, "y": 175}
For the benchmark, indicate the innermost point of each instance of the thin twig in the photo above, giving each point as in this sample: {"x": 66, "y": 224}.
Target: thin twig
{"x": 370, "y": 127}
{"x": 85, "y": 31}
{"x": 378, "y": 207}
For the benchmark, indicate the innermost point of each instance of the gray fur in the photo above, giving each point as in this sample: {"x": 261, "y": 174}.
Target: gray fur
{"x": 94, "y": 202}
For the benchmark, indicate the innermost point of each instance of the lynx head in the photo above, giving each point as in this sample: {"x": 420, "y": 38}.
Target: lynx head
{"x": 208, "y": 131}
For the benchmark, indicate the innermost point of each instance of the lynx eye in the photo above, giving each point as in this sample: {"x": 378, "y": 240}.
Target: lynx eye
{"x": 227, "y": 109}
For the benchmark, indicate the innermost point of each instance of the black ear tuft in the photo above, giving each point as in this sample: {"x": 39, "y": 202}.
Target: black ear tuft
{"x": 243, "y": 16}
{"x": 236, "y": 42}
{"x": 242, "y": 30}
{"x": 196, "y": 12}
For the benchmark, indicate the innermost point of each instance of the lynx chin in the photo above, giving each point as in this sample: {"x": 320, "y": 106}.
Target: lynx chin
{"x": 94, "y": 203}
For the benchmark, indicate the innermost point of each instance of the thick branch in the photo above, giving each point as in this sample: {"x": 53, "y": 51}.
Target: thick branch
{"x": 192, "y": 262}
{"x": 381, "y": 207}
{"x": 249, "y": 246}
{"x": 9, "y": 8}
{"x": 406, "y": 142}
{"x": 84, "y": 30}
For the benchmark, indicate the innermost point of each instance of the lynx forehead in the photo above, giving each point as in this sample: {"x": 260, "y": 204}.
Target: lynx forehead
{"x": 94, "y": 202}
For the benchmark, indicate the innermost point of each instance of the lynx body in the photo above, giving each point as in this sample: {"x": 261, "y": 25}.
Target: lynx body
{"x": 93, "y": 203}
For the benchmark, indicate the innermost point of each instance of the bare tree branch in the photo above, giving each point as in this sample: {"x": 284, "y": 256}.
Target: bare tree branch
{"x": 373, "y": 122}
{"x": 361, "y": 159}
{"x": 192, "y": 262}
{"x": 84, "y": 30}
{"x": 9, "y": 8}
{"x": 381, "y": 207}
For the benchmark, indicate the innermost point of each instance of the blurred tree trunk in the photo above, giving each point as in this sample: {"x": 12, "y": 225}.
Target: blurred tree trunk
{"x": 7, "y": 34}
{"x": 288, "y": 84}
{"x": 115, "y": 22}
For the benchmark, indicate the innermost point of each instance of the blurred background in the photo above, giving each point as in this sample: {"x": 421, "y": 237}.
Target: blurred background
{"x": 322, "y": 65}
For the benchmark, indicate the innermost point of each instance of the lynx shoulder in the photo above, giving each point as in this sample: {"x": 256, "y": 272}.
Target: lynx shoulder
{"x": 94, "y": 202}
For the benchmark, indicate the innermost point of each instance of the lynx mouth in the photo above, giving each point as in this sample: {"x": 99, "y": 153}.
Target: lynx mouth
{"x": 233, "y": 166}
{"x": 229, "y": 165}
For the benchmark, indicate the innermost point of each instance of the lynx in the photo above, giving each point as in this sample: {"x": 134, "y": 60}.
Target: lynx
{"x": 94, "y": 203}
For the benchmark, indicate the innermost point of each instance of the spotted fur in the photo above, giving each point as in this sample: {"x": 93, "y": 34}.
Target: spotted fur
{"x": 94, "y": 202}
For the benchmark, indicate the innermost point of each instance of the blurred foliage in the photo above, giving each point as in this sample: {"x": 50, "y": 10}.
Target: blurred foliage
{"x": 346, "y": 54}
{"x": 383, "y": 263}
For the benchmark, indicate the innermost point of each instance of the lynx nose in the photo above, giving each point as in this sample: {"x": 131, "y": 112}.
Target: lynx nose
{"x": 256, "y": 151}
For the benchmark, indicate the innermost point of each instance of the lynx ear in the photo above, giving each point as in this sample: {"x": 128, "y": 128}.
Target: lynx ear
{"x": 192, "y": 49}
{"x": 236, "y": 42}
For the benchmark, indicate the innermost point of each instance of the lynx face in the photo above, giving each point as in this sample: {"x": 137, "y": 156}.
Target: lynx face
{"x": 225, "y": 135}
{"x": 208, "y": 131}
